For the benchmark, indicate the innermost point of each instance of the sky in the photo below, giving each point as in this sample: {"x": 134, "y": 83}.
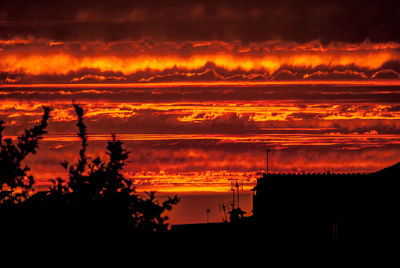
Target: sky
{"x": 198, "y": 90}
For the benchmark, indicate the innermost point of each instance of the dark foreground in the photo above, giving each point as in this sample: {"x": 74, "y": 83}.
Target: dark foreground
{"x": 204, "y": 244}
{"x": 328, "y": 218}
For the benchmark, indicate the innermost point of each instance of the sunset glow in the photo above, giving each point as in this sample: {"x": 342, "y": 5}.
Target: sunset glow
{"x": 214, "y": 61}
{"x": 197, "y": 91}
{"x": 197, "y": 144}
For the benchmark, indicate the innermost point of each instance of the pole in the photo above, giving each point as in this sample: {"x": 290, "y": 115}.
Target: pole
{"x": 237, "y": 189}
{"x": 268, "y": 150}
{"x": 233, "y": 195}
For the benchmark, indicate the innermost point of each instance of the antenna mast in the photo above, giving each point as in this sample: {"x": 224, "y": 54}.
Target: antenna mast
{"x": 233, "y": 194}
{"x": 222, "y": 207}
{"x": 237, "y": 189}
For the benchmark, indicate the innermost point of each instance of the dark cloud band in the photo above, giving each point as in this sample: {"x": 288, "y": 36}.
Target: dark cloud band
{"x": 248, "y": 21}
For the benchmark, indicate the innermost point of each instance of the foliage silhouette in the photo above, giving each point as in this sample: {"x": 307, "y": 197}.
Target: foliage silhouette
{"x": 97, "y": 200}
{"x": 15, "y": 183}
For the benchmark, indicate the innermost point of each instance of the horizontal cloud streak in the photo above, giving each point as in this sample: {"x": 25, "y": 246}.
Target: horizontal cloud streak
{"x": 347, "y": 21}
{"x": 194, "y": 137}
{"x": 39, "y": 61}
{"x": 201, "y": 165}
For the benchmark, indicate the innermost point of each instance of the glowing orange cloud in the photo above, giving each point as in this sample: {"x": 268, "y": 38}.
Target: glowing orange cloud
{"x": 63, "y": 63}
{"x": 201, "y": 169}
{"x": 186, "y": 143}
{"x": 192, "y": 112}
{"x": 36, "y": 60}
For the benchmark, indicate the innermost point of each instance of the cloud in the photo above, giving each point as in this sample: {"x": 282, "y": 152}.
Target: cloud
{"x": 250, "y": 21}
{"x": 174, "y": 157}
{"x": 90, "y": 78}
{"x": 336, "y": 75}
{"x": 212, "y": 116}
{"x": 171, "y": 61}
{"x": 386, "y": 74}
{"x": 150, "y": 61}
{"x": 207, "y": 75}
{"x": 286, "y": 75}
{"x": 9, "y": 79}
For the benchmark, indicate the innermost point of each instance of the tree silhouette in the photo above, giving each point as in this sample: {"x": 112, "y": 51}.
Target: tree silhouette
{"x": 96, "y": 200}
{"x": 15, "y": 183}
{"x": 98, "y": 191}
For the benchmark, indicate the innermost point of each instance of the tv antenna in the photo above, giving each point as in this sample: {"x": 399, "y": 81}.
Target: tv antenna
{"x": 222, "y": 207}
{"x": 235, "y": 184}
{"x": 233, "y": 194}
{"x": 236, "y": 214}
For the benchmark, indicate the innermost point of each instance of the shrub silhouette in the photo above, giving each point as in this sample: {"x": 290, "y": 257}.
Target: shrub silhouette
{"x": 96, "y": 200}
{"x": 98, "y": 188}
{"x": 15, "y": 183}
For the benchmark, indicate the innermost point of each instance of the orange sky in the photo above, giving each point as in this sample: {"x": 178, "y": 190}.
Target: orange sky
{"x": 195, "y": 137}
{"x": 197, "y": 90}
{"x": 38, "y": 63}
{"x": 41, "y": 61}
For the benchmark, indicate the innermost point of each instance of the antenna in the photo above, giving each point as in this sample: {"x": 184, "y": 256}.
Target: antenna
{"x": 222, "y": 207}
{"x": 237, "y": 188}
{"x": 233, "y": 194}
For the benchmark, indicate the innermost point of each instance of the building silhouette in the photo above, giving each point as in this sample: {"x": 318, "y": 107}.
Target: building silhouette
{"x": 326, "y": 216}
{"x": 329, "y": 213}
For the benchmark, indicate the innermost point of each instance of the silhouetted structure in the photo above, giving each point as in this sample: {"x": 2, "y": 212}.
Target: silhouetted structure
{"x": 329, "y": 213}
{"x": 316, "y": 216}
